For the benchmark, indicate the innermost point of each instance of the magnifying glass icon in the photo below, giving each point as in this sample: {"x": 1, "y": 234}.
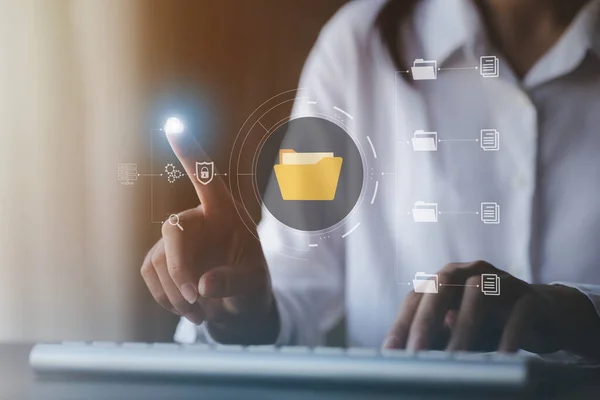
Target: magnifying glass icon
{"x": 174, "y": 220}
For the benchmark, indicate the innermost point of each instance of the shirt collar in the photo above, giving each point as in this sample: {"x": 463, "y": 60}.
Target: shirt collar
{"x": 579, "y": 40}
{"x": 591, "y": 23}
{"x": 445, "y": 26}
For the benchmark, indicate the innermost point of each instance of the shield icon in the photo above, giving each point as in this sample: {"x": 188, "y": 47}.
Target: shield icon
{"x": 205, "y": 171}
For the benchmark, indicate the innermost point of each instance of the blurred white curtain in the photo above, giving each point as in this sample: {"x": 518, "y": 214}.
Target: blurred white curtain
{"x": 69, "y": 99}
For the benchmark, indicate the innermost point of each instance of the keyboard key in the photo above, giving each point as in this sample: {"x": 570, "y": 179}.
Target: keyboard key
{"x": 229, "y": 348}
{"x": 363, "y": 352}
{"x": 135, "y": 345}
{"x": 105, "y": 344}
{"x": 329, "y": 351}
{"x": 393, "y": 353}
{"x": 261, "y": 349}
{"x": 295, "y": 350}
{"x": 467, "y": 356}
{"x": 433, "y": 355}
{"x": 165, "y": 346}
{"x": 197, "y": 347}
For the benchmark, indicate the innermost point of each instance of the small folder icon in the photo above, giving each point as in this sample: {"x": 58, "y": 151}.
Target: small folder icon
{"x": 307, "y": 176}
{"x": 425, "y": 141}
{"x": 425, "y": 283}
{"x": 425, "y": 212}
{"x": 423, "y": 70}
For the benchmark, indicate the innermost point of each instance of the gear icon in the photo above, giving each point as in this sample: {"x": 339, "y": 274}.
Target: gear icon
{"x": 171, "y": 179}
{"x": 170, "y": 168}
{"x": 177, "y": 174}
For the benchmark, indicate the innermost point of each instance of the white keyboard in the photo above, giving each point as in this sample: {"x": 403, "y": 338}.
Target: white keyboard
{"x": 321, "y": 364}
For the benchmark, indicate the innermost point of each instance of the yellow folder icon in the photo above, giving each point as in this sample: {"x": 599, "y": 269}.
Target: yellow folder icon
{"x": 307, "y": 176}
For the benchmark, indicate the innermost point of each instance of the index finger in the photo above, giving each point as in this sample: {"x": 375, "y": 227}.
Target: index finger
{"x": 189, "y": 152}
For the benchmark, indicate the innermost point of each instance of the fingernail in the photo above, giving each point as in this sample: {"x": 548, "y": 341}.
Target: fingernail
{"x": 189, "y": 293}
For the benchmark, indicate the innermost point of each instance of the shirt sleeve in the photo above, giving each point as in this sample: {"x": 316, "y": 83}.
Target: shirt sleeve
{"x": 308, "y": 284}
{"x": 591, "y": 291}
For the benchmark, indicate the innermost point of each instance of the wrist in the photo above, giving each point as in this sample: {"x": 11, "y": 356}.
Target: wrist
{"x": 577, "y": 320}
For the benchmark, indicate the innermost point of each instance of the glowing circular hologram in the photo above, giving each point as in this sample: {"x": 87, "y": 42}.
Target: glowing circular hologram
{"x": 174, "y": 126}
{"x": 318, "y": 176}
{"x": 325, "y": 211}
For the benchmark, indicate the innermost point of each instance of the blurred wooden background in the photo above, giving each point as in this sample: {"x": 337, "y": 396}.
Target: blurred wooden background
{"x": 219, "y": 60}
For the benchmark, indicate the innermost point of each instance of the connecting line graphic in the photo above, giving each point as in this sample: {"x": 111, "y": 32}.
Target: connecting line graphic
{"x": 428, "y": 141}
{"x": 451, "y": 284}
{"x": 441, "y": 284}
{"x": 428, "y": 212}
{"x": 457, "y": 140}
{"x": 152, "y": 175}
{"x": 457, "y": 69}
{"x": 445, "y": 69}
{"x": 151, "y": 179}
{"x": 449, "y": 212}
{"x": 427, "y": 70}
{"x": 215, "y": 174}
{"x": 408, "y": 142}
{"x": 459, "y": 212}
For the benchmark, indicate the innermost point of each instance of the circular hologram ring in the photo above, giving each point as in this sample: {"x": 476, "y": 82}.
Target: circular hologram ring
{"x": 313, "y": 171}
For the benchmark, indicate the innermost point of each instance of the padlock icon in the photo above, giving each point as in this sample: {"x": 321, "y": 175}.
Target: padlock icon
{"x": 204, "y": 174}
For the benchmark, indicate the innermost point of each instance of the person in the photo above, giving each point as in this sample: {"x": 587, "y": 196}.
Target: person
{"x": 545, "y": 104}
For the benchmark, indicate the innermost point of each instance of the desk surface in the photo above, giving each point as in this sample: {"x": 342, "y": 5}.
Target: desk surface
{"x": 17, "y": 382}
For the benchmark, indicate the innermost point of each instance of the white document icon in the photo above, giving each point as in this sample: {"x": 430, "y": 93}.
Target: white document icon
{"x": 490, "y": 140}
{"x": 490, "y": 284}
{"x": 425, "y": 212}
{"x": 425, "y": 283}
{"x": 490, "y": 213}
{"x": 489, "y": 67}
{"x": 425, "y": 141}
{"x": 424, "y": 70}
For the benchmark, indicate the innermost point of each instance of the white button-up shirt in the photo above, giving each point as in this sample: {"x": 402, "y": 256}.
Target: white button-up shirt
{"x": 545, "y": 176}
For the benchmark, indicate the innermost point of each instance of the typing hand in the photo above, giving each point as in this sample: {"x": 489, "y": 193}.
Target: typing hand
{"x": 537, "y": 318}
{"x": 209, "y": 266}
